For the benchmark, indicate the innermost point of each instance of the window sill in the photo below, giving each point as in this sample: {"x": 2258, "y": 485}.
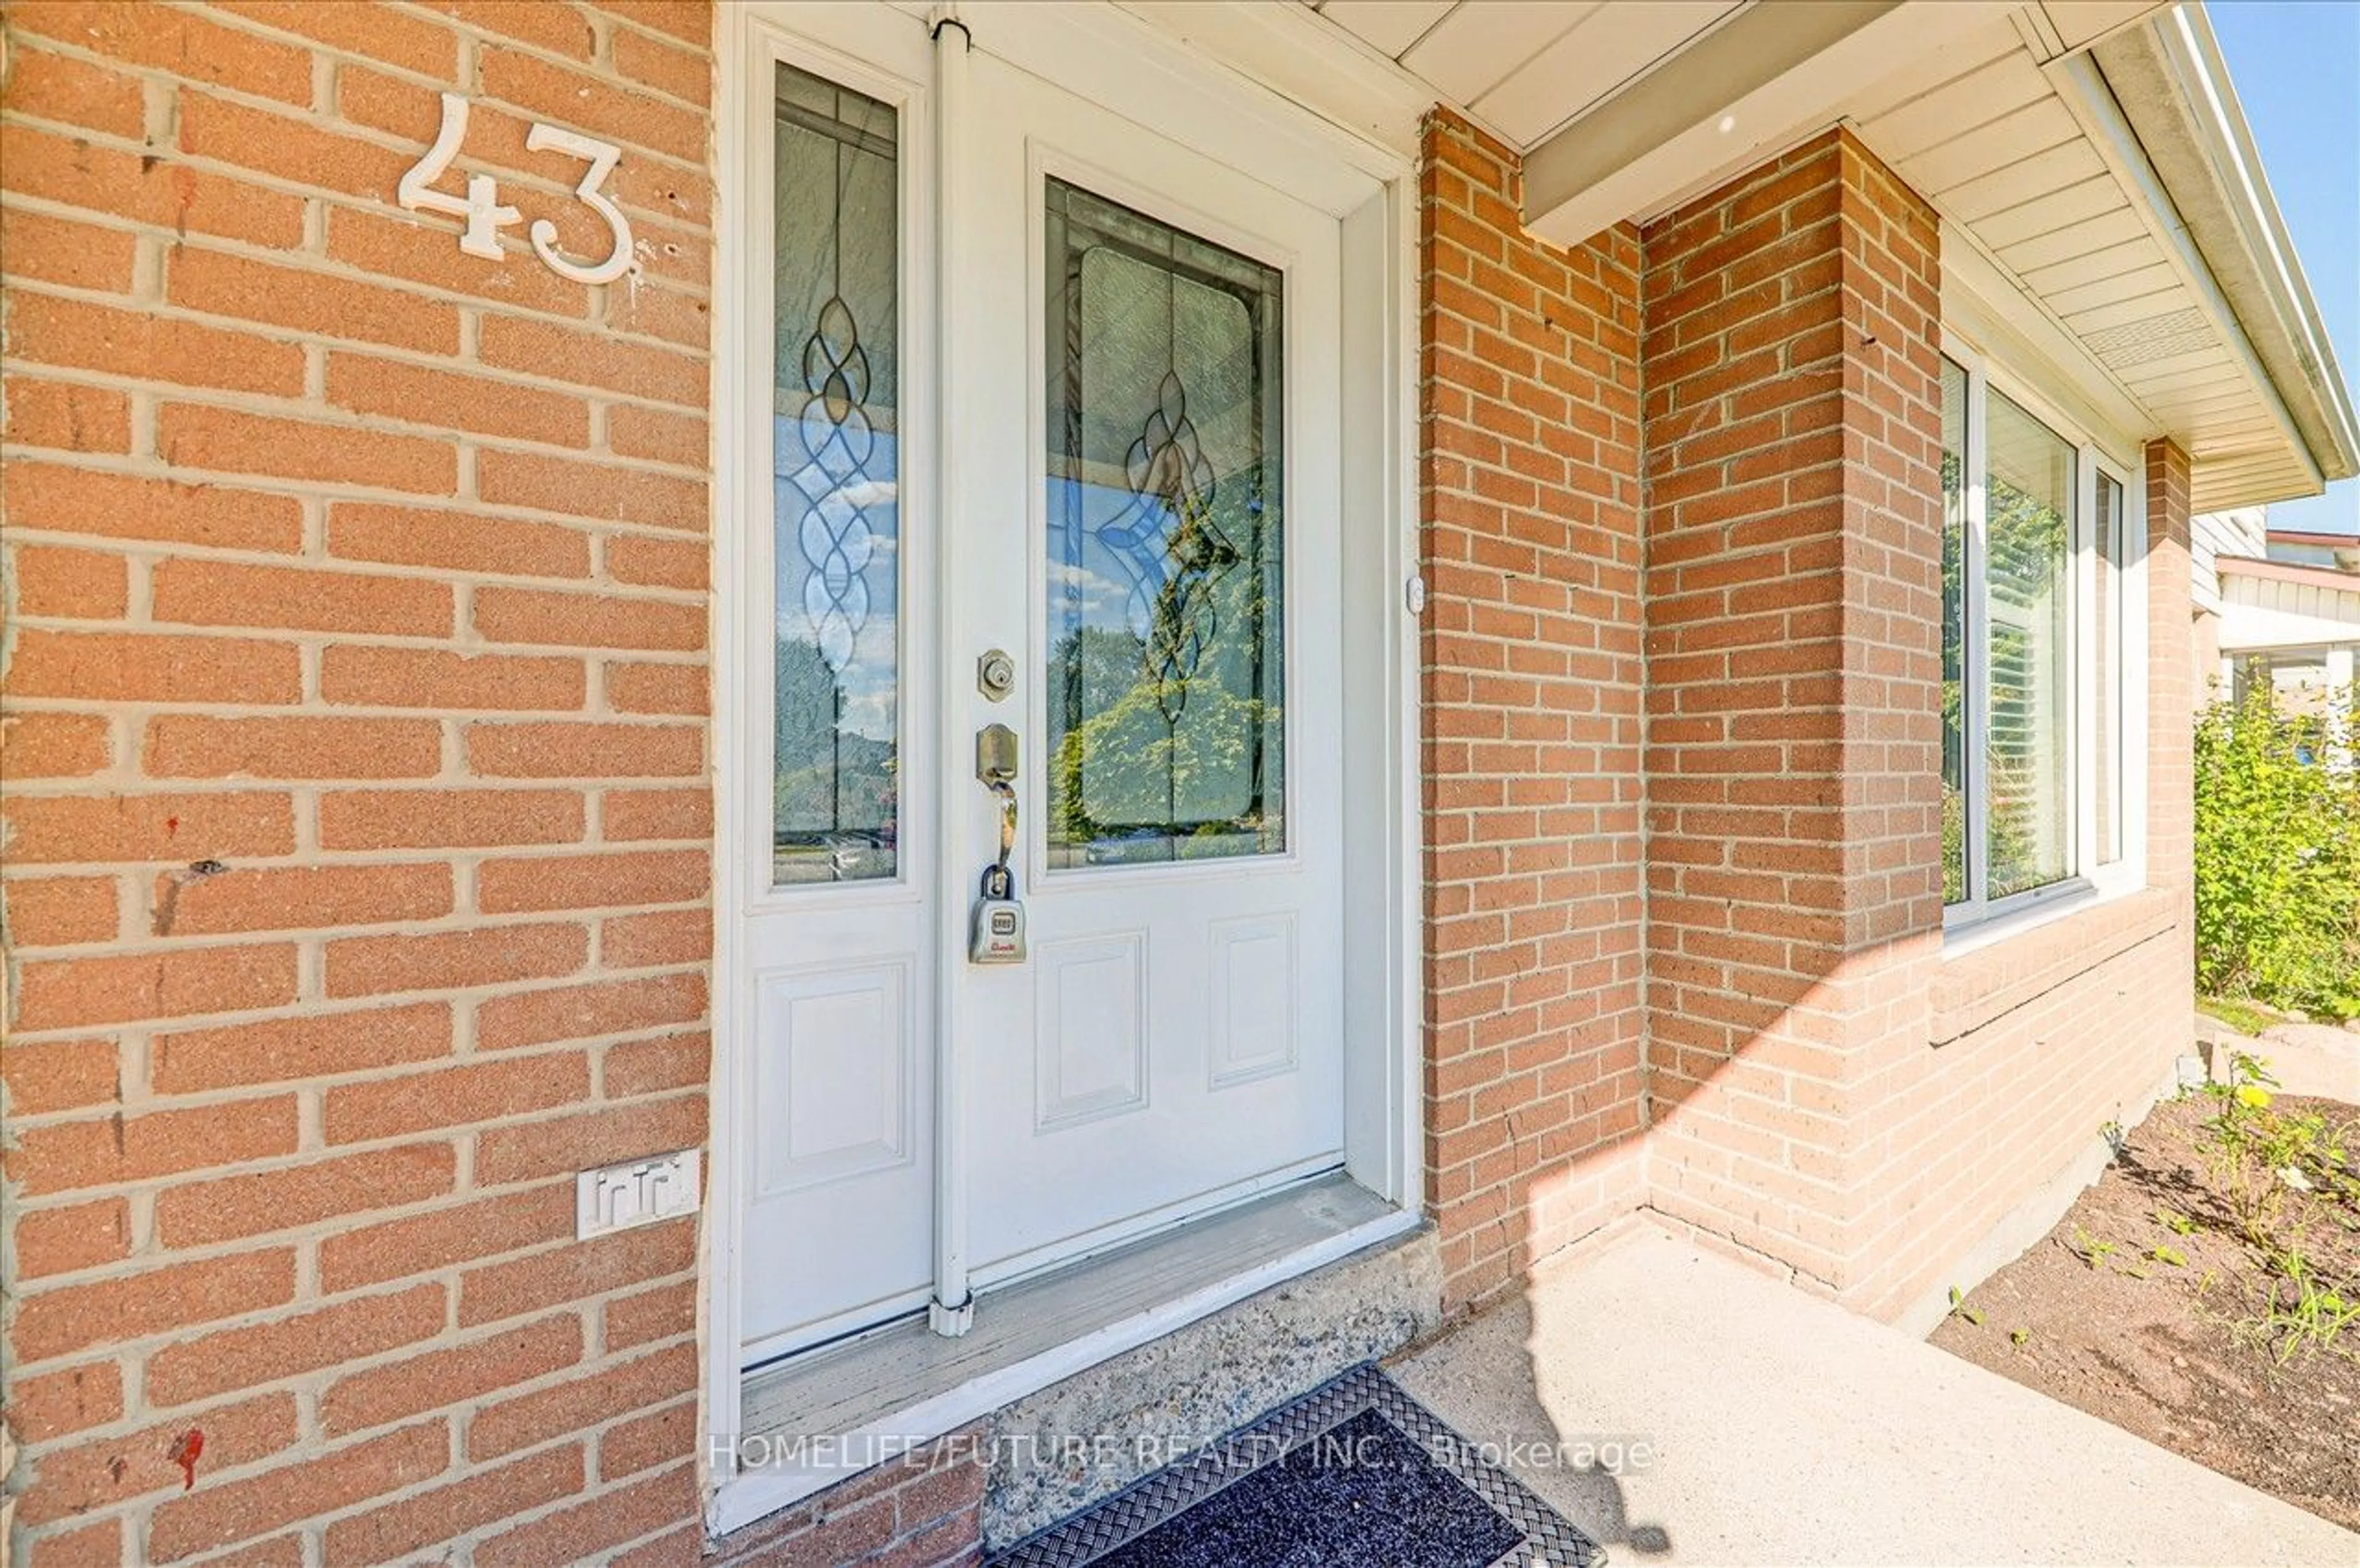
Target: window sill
{"x": 2023, "y": 913}
{"x": 1998, "y": 965}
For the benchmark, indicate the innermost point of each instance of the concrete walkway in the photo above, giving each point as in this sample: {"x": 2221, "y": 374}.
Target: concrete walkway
{"x": 1783, "y": 1429}
{"x": 2305, "y": 1059}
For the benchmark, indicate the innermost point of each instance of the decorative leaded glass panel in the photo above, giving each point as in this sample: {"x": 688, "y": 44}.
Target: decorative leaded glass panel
{"x": 1167, "y": 639}
{"x": 834, "y": 461}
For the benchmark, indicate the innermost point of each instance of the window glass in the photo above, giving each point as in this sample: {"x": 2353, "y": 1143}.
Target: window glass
{"x": 2106, "y": 646}
{"x": 835, "y": 516}
{"x": 2028, "y": 553}
{"x": 1166, "y": 611}
{"x": 1954, "y": 633}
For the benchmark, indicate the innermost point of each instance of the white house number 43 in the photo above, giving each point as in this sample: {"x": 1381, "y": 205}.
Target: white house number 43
{"x": 485, "y": 216}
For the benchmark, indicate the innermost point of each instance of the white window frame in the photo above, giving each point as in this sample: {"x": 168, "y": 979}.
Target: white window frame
{"x": 1978, "y": 917}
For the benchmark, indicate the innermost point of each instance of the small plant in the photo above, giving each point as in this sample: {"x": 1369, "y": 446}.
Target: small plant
{"x": 2259, "y": 1153}
{"x": 2171, "y": 1256}
{"x": 2089, "y": 1250}
{"x": 2018, "y": 1336}
{"x": 2117, "y": 1140}
{"x": 2175, "y": 1221}
{"x": 2314, "y": 1315}
{"x": 1959, "y": 1308}
{"x": 2285, "y": 1175}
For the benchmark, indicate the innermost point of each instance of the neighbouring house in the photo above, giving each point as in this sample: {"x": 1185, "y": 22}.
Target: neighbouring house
{"x": 2305, "y": 547}
{"x": 2239, "y": 533}
{"x": 763, "y": 756}
{"x": 2280, "y": 606}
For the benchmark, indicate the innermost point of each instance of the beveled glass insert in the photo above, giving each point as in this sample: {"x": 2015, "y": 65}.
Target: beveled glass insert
{"x": 836, "y": 465}
{"x": 1164, "y": 548}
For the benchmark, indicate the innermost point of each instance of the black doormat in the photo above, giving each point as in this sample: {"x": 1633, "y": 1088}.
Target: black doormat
{"x": 1354, "y": 1475}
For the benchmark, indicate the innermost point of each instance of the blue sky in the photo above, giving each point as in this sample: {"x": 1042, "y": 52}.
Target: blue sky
{"x": 2295, "y": 63}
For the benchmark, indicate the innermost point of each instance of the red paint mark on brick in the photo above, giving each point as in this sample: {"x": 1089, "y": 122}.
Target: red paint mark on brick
{"x": 184, "y": 1455}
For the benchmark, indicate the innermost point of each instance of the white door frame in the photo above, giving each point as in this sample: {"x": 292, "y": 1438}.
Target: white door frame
{"x": 1326, "y": 153}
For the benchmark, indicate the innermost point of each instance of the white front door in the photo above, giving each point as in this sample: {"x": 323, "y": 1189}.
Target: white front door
{"x": 1113, "y": 454}
{"x": 1147, "y": 449}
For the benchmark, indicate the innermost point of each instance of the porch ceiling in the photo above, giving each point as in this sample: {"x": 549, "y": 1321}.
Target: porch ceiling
{"x": 2003, "y": 119}
{"x": 1524, "y": 68}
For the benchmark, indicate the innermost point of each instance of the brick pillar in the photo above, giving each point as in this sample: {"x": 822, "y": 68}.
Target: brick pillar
{"x": 1531, "y": 665}
{"x": 2174, "y": 686}
{"x": 2174, "y": 690}
{"x": 1792, "y": 436}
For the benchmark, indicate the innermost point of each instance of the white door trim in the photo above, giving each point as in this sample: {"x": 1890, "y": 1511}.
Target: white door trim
{"x": 952, "y": 1310}
{"x": 1384, "y": 1038}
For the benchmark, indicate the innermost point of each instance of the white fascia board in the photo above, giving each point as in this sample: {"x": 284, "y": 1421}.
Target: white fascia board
{"x": 2157, "y": 100}
{"x": 2086, "y": 93}
{"x": 1724, "y": 103}
{"x": 2228, "y": 143}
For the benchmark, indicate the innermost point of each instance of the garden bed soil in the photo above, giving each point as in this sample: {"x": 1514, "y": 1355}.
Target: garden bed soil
{"x": 2159, "y": 1355}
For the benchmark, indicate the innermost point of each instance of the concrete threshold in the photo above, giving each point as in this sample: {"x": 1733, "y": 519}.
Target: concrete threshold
{"x": 1778, "y": 1428}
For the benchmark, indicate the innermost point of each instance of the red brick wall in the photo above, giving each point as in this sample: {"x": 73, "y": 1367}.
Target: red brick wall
{"x": 1531, "y": 668}
{"x": 1830, "y": 1088}
{"x": 923, "y": 1511}
{"x": 1792, "y": 445}
{"x": 357, "y": 825}
{"x": 2039, "y": 1041}
{"x": 2175, "y": 680}
{"x": 1821, "y": 1086}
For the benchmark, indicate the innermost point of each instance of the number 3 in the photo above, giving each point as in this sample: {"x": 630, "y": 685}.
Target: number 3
{"x": 485, "y": 217}
{"x": 602, "y": 158}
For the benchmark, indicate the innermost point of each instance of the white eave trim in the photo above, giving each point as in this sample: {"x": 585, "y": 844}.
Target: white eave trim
{"x": 2229, "y": 143}
{"x": 2168, "y": 90}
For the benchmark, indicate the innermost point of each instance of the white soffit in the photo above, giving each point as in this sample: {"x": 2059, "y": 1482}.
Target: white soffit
{"x": 1523, "y": 68}
{"x": 2023, "y": 150}
{"x": 1997, "y": 116}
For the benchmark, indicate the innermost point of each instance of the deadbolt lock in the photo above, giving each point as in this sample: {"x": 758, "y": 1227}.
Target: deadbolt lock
{"x": 995, "y": 674}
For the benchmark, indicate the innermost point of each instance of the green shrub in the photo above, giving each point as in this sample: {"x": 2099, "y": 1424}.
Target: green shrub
{"x": 2278, "y": 855}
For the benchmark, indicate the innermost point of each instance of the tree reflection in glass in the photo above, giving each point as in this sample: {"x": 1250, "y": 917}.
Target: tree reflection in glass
{"x": 1166, "y": 535}
{"x": 835, "y": 503}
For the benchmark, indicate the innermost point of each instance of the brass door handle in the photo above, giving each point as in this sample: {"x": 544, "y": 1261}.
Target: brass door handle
{"x": 995, "y": 756}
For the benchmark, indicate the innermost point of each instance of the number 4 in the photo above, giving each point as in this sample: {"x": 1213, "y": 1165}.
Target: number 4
{"x": 485, "y": 216}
